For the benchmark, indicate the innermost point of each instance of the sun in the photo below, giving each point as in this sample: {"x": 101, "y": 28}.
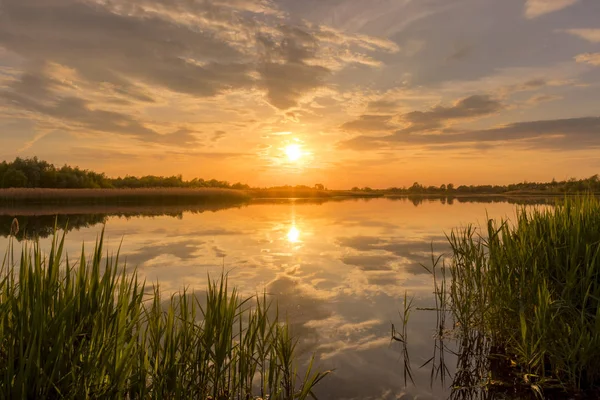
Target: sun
{"x": 293, "y": 152}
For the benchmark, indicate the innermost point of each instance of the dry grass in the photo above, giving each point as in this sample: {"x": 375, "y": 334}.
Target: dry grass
{"x": 118, "y": 196}
{"x": 301, "y": 193}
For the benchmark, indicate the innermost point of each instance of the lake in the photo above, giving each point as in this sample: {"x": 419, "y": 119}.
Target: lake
{"x": 338, "y": 269}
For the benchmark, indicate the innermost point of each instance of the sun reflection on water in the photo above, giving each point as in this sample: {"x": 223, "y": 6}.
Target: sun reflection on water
{"x": 293, "y": 235}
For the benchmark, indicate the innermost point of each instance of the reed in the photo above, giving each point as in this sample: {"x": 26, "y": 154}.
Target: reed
{"x": 530, "y": 290}
{"x": 87, "y": 329}
{"x": 120, "y": 196}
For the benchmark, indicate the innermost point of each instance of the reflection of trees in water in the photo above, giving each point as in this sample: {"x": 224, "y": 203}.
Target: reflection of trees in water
{"x": 484, "y": 368}
{"x": 42, "y": 226}
{"x": 417, "y": 200}
{"x": 40, "y": 223}
{"x": 482, "y": 371}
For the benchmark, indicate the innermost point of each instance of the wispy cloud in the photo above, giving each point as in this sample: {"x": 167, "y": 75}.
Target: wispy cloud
{"x": 536, "y": 8}
{"x": 591, "y": 35}
{"x": 589, "y": 58}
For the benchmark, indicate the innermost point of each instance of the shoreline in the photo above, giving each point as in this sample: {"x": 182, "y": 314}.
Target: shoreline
{"x": 209, "y": 197}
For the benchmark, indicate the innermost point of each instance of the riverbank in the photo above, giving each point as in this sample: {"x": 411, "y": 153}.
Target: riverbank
{"x": 21, "y": 196}
{"x": 189, "y": 196}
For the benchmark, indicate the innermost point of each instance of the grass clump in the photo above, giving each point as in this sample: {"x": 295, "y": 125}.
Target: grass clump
{"x": 532, "y": 290}
{"x": 86, "y": 329}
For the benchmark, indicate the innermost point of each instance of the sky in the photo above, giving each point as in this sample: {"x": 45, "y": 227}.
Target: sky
{"x": 345, "y": 93}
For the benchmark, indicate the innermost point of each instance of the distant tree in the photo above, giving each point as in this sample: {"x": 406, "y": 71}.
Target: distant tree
{"x": 14, "y": 178}
{"x": 240, "y": 186}
{"x": 319, "y": 186}
{"x": 416, "y": 188}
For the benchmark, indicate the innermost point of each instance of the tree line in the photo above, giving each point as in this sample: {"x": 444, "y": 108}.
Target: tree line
{"x": 591, "y": 184}
{"x": 35, "y": 173}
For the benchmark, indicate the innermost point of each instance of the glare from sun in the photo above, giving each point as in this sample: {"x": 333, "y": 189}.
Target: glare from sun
{"x": 293, "y": 152}
{"x": 293, "y": 235}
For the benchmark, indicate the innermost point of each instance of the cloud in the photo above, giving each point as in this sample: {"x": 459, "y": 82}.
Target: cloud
{"x": 559, "y": 134}
{"x": 591, "y": 35}
{"x": 466, "y": 108}
{"x": 185, "y": 250}
{"x": 34, "y": 92}
{"x": 461, "y": 52}
{"x": 284, "y": 68}
{"x": 332, "y": 35}
{"x": 218, "y": 252}
{"x": 383, "y": 106}
{"x": 470, "y": 107}
{"x": 106, "y": 47}
{"x": 535, "y": 8}
{"x": 369, "y": 262}
{"x": 589, "y": 58}
{"x": 409, "y": 254}
{"x": 218, "y": 135}
{"x": 97, "y": 66}
{"x": 366, "y": 123}
{"x": 542, "y": 98}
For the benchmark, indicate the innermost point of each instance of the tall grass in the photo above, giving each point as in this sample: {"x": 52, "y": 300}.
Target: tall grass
{"x": 84, "y": 328}
{"x": 530, "y": 291}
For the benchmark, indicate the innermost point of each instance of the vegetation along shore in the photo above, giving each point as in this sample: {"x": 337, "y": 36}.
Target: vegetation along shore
{"x": 35, "y": 181}
{"x": 90, "y": 329}
{"x": 522, "y": 301}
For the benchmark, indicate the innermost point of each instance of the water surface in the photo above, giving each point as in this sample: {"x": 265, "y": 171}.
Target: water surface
{"x": 338, "y": 269}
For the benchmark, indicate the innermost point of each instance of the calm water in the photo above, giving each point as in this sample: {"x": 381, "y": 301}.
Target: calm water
{"x": 339, "y": 270}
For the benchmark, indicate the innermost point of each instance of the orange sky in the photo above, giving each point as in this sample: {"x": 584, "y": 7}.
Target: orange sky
{"x": 380, "y": 93}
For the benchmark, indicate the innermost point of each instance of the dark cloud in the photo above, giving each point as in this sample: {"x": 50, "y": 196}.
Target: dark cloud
{"x": 366, "y": 123}
{"x": 361, "y": 243}
{"x": 411, "y": 254}
{"x": 461, "y": 52}
{"x": 383, "y": 106}
{"x": 77, "y": 110}
{"x": 36, "y": 84}
{"x": 543, "y": 98}
{"x": 474, "y": 106}
{"x": 284, "y": 70}
{"x": 181, "y": 137}
{"x": 218, "y": 252}
{"x": 369, "y": 262}
{"x": 107, "y": 47}
{"x": 385, "y": 279}
{"x": 469, "y": 107}
{"x": 208, "y": 232}
{"x": 218, "y": 135}
{"x": 183, "y": 250}
{"x": 33, "y": 93}
{"x": 298, "y": 304}
{"x": 534, "y": 84}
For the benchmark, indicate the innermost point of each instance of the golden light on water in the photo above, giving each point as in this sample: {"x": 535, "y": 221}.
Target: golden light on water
{"x": 293, "y": 152}
{"x": 293, "y": 235}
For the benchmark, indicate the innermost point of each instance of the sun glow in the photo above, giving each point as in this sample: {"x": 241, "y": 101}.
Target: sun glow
{"x": 293, "y": 152}
{"x": 293, "y": 235}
